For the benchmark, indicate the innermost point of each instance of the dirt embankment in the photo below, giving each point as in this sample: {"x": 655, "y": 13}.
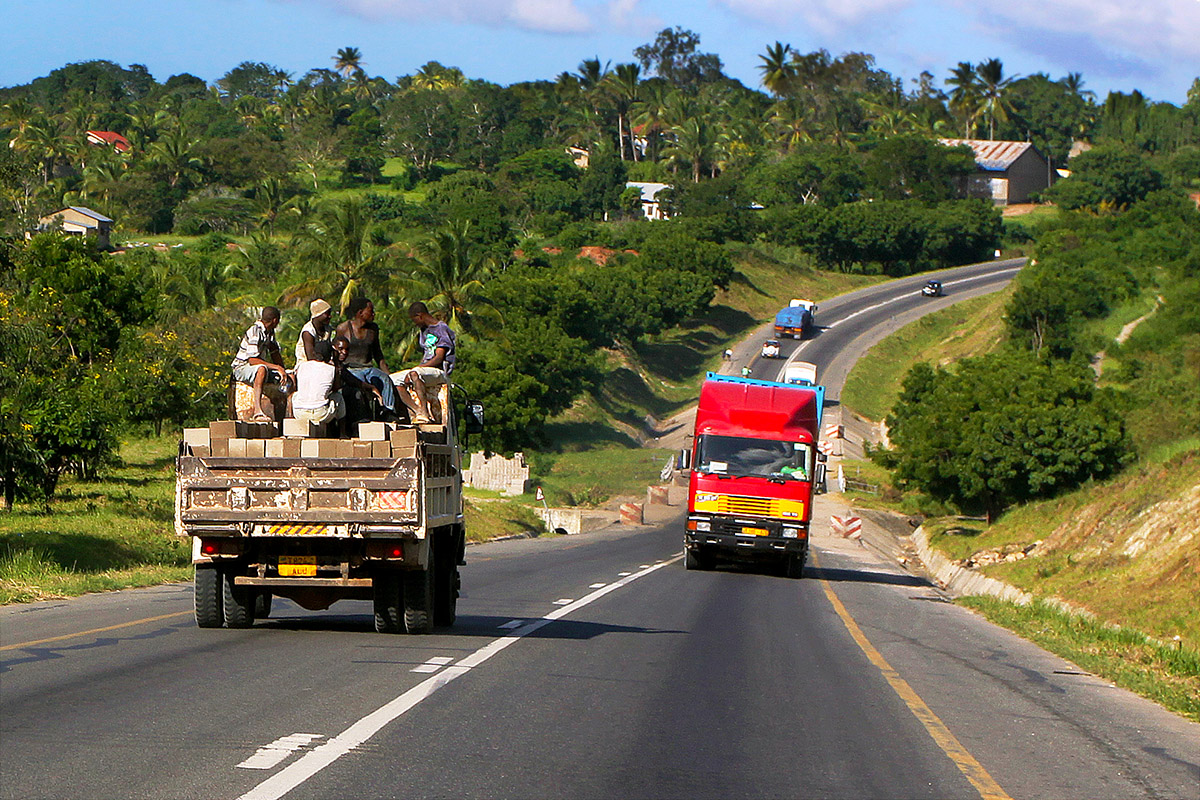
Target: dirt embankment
{"x": 1128, "y": 550}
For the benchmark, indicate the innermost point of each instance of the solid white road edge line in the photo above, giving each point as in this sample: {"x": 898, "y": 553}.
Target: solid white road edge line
{"x": 345, "y": 742}
{"x": 907, "y": 295}
{"x": 835, "y": 323}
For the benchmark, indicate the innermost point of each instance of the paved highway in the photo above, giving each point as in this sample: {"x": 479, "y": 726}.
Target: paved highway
{"x": 585, "y": 666}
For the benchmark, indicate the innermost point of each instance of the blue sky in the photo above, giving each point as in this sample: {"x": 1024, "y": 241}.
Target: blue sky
{"x": 1152, "y": 45}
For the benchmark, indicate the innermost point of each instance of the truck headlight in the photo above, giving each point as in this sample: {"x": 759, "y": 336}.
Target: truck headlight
{"x": 791, "y": 533}
{"x": 704, "y": 526}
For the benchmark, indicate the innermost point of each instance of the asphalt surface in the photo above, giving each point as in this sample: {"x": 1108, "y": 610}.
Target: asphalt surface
{"x": 583, "y": 666}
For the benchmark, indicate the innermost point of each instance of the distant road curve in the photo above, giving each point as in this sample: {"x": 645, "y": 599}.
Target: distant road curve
{"x": 849, "y": 325}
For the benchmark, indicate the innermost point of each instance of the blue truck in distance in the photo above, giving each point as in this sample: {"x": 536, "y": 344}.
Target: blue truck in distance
{"x": 794, "y": 321}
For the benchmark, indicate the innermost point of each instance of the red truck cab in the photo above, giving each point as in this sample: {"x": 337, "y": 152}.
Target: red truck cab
{"x": 753, "y": 464}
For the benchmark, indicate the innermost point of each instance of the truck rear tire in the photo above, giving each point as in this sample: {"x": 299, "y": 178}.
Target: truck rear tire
{"x": 793, "y": 565}
{"x": 418, "y": 598}
{"x": 388, "y": 609}
{"x": 445, "y": 592}
{"x": 262, "y": 604}
{"x": 209, "y": 608}
{"x": 238, "y": 601}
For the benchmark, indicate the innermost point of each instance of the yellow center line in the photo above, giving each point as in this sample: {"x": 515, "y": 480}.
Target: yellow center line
{"x": 93, "y": 630}
{"x": 973, "y": 771}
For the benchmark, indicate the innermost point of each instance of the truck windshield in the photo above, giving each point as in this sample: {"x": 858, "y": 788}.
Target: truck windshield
{"x": 764, "y": 458}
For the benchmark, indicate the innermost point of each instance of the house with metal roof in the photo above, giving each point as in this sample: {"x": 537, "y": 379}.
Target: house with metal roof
{"x": 110, "y": 138}
{"x": 79, "y": 221}
{"x": 1006, "y": 172}
{"x": 651, "y": 206}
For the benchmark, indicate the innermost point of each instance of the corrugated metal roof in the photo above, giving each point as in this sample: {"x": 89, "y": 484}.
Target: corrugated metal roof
{"x": 994, "y": 156}
{"x": 87, "y": 212}
{"x": 648, "y": 189}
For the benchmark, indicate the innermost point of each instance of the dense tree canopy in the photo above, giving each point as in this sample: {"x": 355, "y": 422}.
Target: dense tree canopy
{"x": 1003, "y": 429}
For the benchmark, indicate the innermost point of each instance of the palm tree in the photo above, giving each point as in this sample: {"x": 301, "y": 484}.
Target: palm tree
{"x": 694, "y": 145}
{"x": 448, "y": 274}
{"x": 269, "y": 201}
{"x": 17, "y": 116}
{"x": 1073, "y": 81}
{"x": 650, "y": 114}
{"x": 348, "y": 61}
{"x": 46, "y": 140}
{"x": 992, "y": 85}
{"x": 776, "y": 68}
{"x": 174, "y": 154}
{"x": 791, "y": 122}
{"x": 624, "y": 84}
{"x": 341, "y": 253}
{"x": 964, "y": 98}
{"x": 101, "y": 177}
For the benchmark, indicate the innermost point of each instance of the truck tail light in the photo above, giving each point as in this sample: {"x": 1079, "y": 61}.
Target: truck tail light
{"x": 221, "y": 546}
{"x": 392, "y": 551}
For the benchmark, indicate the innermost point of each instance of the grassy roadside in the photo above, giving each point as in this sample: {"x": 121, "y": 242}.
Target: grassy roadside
{"x": 113, "y": 533}
{"x": 970, "y": 328}
{"x": 1162, "y": 672}
{"x": 118, "y": 532}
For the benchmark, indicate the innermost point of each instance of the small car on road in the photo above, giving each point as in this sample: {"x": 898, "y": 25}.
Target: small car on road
{"x": 770, "y": 348}
{"x": 932, "y": 289}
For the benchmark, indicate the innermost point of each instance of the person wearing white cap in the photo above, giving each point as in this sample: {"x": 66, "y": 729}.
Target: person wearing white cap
{"x": 315, "y": 330}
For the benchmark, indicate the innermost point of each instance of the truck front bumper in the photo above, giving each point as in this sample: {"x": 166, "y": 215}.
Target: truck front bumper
{"x": 743, "y": 535}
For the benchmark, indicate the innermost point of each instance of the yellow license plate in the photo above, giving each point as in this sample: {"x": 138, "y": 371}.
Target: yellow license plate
{"x": 297, "y": 566}
{"x": 754, "y": 531}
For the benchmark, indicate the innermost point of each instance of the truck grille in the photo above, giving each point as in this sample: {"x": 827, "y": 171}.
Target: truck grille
{"x": 757, "y": 506}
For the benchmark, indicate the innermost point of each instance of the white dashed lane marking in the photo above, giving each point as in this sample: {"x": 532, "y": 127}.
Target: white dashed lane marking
{"x": 349, "y": 740}
{"x": 564, "y": 601}
{"x": 432, "y": 665}
{"x": 267, "y": 757}
{"x": 516, "y": 623}
{"x": 597, "y": 585}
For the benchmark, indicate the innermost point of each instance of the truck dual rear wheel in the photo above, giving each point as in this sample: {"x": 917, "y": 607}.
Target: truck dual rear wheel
{"x": 445, "y": 594}
{"x": 418, "y": 598}
{"x": 238, "y": 601}
{"x": 209, "y": 608}
{"x": 388, "y": 609}
{"x": 262, "y": 604}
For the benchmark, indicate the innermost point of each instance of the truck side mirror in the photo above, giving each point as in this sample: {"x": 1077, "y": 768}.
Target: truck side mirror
{"x": 684, "y": 461}
{"x": 821, "y": 457}
{"x": 473, "y": 417}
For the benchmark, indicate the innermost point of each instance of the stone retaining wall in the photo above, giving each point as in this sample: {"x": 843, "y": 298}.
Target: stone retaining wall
{"x": 498, "y": 474}
{"x": 960, "y": 580}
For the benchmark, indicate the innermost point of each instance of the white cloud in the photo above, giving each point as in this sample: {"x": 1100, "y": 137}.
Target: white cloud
{"x": 1146, "y": 30}
{"x": 823, "y": 16}
{"x": 547, "y": 16}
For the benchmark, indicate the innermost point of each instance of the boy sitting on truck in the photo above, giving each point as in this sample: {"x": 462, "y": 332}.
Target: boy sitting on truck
{"x": 355, "y": 392}
{"x": 438, "y": 358}
{"x": 259, "y": 360}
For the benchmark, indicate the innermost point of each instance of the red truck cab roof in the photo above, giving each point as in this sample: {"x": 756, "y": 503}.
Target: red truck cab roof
{"x": 745, "y": 407}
